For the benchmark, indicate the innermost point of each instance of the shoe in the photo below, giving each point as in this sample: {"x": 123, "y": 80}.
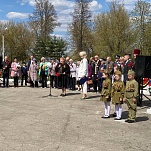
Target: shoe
{"x": 127, "y": 120}
{"x": 83, "y": 98}
{"x": 105, "y": 116}
{"x": 61, "y": 94}
{"x": 117, "y": 118}
{"x": 131, "y": 121}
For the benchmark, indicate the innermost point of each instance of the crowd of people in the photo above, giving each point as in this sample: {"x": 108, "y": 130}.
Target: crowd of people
{"x": 114, "y": 80}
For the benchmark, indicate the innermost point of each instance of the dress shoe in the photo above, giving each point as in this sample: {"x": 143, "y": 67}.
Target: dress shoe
{"x": 131, "y": 121}
{"x": 127, "y": 120}
{"x": 116, "y": 118}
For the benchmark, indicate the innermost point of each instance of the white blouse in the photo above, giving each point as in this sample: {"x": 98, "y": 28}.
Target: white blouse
{"x": 83, "y": 69}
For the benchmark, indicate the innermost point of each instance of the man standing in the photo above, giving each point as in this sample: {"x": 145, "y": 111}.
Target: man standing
{"x": 6, "y": 66}
{"x": 127, "y": 66}
{"x": 138, "y": 79}
{"x": 95, "y": 69}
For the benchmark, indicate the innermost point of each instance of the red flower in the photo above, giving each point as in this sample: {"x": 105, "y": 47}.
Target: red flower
{"x": 130, "y": 64}
{"x": 57, "y": 74}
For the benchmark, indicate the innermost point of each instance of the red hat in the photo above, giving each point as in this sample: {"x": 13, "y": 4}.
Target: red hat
{"x": 136, "y": 51}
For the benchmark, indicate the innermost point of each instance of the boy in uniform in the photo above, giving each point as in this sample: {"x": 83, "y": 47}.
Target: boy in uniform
{"x": 130, "y": 96}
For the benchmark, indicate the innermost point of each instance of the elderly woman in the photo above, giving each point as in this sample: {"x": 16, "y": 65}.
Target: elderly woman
{"x": 43, "y": 72}
{"x": 83, "y": 72}
{"x": 15, "y": 71}
{"x": 63, "y": 72}
{"x": 72, "y": 74}
{"x": 33, "y": 71}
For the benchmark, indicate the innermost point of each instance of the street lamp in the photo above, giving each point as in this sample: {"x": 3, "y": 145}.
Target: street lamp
{"x": 3, "y": 44}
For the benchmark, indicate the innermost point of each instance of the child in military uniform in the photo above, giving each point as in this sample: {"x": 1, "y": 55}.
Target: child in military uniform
{"x": 130, "y": 96}
{"x": 106, "y": 93}
{"x": 117, "y": 94}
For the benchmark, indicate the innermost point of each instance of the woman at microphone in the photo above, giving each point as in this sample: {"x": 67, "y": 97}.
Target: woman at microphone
{"x": 63, "y": 72}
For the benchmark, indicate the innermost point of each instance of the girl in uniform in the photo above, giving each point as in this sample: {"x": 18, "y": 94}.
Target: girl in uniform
{"x": 117, "y": 94}
{"x": 106, "y": 93}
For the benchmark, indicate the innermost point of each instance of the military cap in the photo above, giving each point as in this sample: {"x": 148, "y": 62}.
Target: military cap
{"x": 118, "y": 73}
{"x": 131, "y": 72}
{"x": 117, "y": 57}
{"x": 106, "y": 72}
{"x": 136, "y": 51}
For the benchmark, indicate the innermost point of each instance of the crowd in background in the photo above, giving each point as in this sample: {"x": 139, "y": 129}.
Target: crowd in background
{"x": 37, "y": 74}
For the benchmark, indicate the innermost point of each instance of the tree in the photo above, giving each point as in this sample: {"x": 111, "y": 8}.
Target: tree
{"x": 113, "y": 31}
{"x": 54, "y": 48}
{"x": 80, "y": 28}
{"x": 43, "y": 21}
{"x": 19, "y": 40}
{"x": 141, "y": 18}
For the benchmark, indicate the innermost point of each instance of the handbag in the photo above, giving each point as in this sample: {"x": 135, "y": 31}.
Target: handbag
{"x": 83, "y": 80}
{"x": 90, "y": 82}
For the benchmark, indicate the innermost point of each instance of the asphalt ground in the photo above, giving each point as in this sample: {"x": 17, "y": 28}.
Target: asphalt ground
{"x": 31, "y": 120}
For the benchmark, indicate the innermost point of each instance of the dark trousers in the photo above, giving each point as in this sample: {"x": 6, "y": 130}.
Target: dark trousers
{"x": 44, "y": 80}
{"x": 68, "y": 82}
{"x": 53, "y": 81}
{"x": 58, "y": 81}
{"x": 6, "y": 80}
{"x": 32, "y": 84}
{"x": 24, "y": 77}
{"x": 72, "y": 83}
{"x": 100, "y": 81}
{"x": 95, "y": 83}
{"x": 16, "y": 81}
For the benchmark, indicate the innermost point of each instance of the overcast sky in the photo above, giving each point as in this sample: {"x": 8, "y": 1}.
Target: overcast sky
{"x": 19, "y": 10}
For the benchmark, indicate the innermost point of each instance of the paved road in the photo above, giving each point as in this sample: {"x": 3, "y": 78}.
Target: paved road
{"x": 31, "y": 121}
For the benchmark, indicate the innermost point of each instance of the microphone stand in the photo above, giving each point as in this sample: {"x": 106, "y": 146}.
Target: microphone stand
{"x": 50, "y": 94}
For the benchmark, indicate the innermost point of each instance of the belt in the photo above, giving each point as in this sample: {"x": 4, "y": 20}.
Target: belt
{"x": 118, "y": 91}
{"x": 130, "y": 91}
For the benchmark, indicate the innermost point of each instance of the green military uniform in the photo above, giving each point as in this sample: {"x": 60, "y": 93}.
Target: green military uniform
{"x": 131, "y": 92}
{"x": 117, "y": 92}
{"x": 106, "y": 90}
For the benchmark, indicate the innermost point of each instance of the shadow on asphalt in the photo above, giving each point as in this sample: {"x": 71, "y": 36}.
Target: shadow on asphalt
{"x": 146, "y": 103}
{"x": 141, "y": 119}
{"x": 92, "y": 97}
{"x": 68, "y": 94}
{"x": 138, "y": 119}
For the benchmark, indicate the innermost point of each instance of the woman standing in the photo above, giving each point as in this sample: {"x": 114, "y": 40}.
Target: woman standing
{"x": 63, "y": 72}
{"x": 33, "y": 69}
{"x": 83, "y": 72}
{"x": 15, "y": 71}
{"x": 43, "y": 72}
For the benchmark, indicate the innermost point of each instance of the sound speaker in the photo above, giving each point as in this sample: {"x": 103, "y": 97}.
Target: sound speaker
{"x": 143, "y": 66}
{"x": 0, "y": 62}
